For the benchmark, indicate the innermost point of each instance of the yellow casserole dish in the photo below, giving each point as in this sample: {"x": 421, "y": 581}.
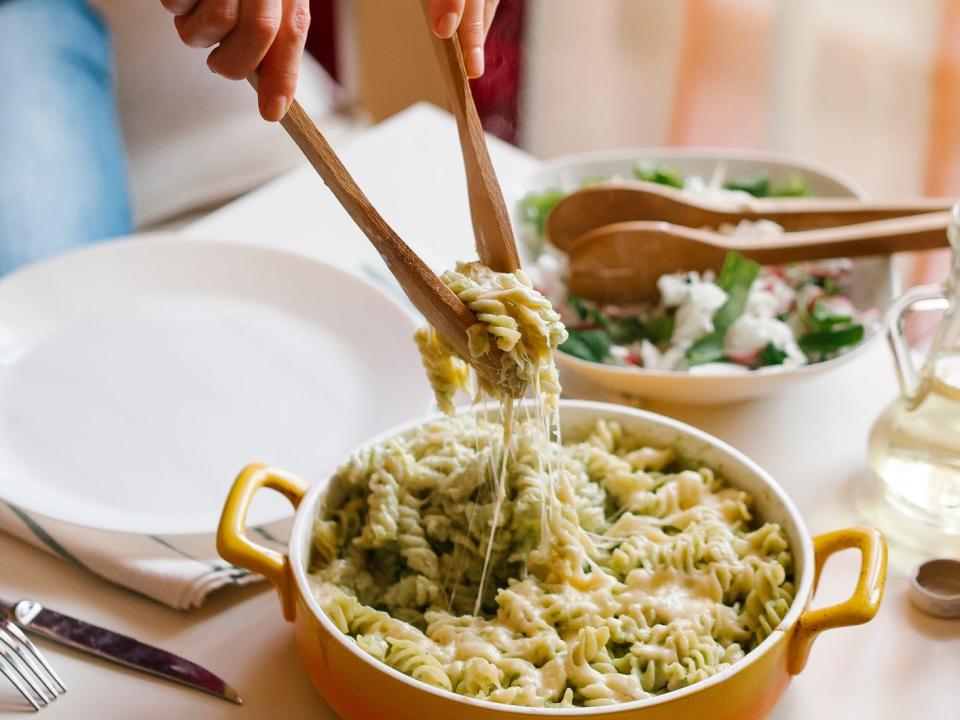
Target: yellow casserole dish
{"x": 359, "y": 687}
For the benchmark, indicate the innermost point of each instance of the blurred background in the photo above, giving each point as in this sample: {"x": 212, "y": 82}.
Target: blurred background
{"x": 869, "y": 87}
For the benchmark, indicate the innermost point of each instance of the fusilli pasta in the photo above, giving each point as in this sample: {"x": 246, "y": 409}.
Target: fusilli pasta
{"x": 513, "y": 316}
{"x": 617, "y": 571}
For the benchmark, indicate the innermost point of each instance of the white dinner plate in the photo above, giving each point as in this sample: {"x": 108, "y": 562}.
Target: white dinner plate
{"x": 138, "y": 377}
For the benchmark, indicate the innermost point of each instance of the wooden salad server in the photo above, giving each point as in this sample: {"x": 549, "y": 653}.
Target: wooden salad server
{"x": 621, "y": 201}
{"x": 439, "y": 305}
{"x": 620, "y": 263}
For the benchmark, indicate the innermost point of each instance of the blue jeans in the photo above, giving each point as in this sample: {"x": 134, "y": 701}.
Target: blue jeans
{"x": 62, "y": 168}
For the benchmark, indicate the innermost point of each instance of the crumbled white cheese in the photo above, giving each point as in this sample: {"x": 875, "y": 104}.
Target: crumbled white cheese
{"x": 749, "y": 334}
{"x": 619, "y": 354}
{"x": 751, "y": 228}
{"x": 769, "y": 297}
{"x": 696, "y": 185}
{"x": 674, "y": 289}
{"x": 839, "y": 306}
{"x": 695, "y": 315}
{"x": 673, "y": 358}
{"x": 650, "y": 356}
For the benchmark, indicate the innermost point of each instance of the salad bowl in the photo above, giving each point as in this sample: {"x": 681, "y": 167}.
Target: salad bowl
{"x": 359, "y": 687}
{"x": 871, "y": 286}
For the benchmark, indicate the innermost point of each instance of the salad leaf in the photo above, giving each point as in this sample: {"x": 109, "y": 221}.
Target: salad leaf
{"x": 759, "y": 185}
{"x": 707, "y": 349}
{"x": 660, "y": 174}
{"x": 831, "y": 340}
{"x": 771, "y": 355}
{"x": 584, "y": 311}
{"x": 660, "y": 329}
{"x": 623, "y": 330}
{"x": 735, "y": 278}
{"x": 536, "y": 206}
{"x": 756, "y": 184}
{"x": 626, "y": 330}
{"x": 822, "y": 317}
{"x": 830, "y": 286}
{"x": 579, "y": 306}
{"x": 793, "y": 186}
{"x": 592, "y": 345}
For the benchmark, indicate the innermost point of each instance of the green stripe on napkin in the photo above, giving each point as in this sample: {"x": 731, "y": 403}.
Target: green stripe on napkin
{"x": 45, "y": 537}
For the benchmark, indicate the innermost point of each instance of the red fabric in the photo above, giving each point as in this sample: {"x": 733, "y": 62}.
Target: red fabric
{"x": 321, "y": 40}
{"x": 496, "y": 94}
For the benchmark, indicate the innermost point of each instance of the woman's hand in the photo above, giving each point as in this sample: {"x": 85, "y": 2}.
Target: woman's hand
{"x": 268, "y": 34}
{"x": 470, "y": 19}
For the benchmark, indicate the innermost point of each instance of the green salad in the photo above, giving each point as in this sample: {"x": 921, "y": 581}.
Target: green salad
{"x": 744, "y": 318}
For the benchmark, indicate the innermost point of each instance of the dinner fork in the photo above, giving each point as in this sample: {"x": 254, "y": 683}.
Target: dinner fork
{"x": 25, "y": 667}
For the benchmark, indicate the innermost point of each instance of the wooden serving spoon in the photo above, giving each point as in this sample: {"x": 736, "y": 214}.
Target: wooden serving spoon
{"x": 598, "y": 205}
{"x": 621, "y": 263}
{"x": 439, "y": 305}
{"x": 491, "y": 221}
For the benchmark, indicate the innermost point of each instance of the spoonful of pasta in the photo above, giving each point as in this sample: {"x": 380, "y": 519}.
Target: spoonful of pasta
{"x": 514, "y": 317}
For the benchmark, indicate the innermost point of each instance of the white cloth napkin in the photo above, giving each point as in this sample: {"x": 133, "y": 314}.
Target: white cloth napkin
{"x": 179, "y": 571}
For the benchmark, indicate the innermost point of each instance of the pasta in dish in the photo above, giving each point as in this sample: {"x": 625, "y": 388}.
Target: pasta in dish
{"x": 618, "y": 571}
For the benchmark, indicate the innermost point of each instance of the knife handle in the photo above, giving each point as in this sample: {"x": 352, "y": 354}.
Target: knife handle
{"x": 121, "y": 649}
{"x": 235, "y": 546}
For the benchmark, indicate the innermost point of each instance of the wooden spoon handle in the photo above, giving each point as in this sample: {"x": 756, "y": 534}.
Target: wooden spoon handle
{"x": 439, "y": 305}
{"x": 817, "y": 213}
{"x": 621, "y": 263}
{"x": 624, "y": 201}
{"x": 491, "y": 221}
{"x": 880, "y": 237}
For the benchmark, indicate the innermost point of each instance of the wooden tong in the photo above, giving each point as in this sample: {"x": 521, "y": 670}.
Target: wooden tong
{"x": 439, "y": 305}
{"x": 494, "y": 239}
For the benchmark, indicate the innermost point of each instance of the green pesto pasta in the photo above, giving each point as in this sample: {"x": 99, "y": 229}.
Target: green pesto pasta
{"x": 513, "y": 316}
{"x": 618, "y": 571}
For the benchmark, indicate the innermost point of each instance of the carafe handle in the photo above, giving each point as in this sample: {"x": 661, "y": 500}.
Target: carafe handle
{"x": 906, "y": 372}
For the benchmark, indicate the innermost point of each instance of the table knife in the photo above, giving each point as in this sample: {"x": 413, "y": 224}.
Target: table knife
{"x": 85, "y": 637}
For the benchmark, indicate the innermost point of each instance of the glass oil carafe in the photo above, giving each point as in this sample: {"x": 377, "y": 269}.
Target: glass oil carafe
{"x": 915, "y": 444}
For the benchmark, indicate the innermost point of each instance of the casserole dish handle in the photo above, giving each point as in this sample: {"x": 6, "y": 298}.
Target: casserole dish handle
{"x": 236, "y": 547}
{"x": 860, "y": 607}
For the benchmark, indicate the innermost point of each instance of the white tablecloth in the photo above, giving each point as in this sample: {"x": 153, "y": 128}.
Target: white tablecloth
{"x": 812, "y": 439}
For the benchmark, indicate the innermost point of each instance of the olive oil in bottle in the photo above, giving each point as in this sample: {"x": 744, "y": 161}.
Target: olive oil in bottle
{"x": 914, "y": 448}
